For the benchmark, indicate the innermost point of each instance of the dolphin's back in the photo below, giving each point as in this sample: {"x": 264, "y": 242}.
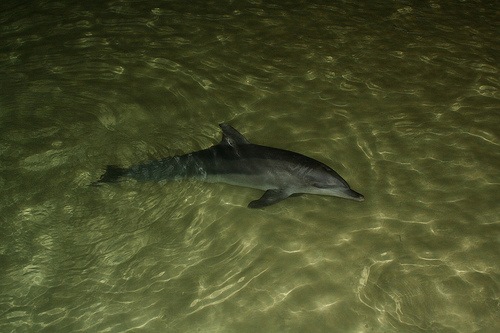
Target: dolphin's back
{"x": 216, "y": 164}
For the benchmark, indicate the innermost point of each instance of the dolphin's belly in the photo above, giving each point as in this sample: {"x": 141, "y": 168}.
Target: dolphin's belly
{"x": 257, "y": 181}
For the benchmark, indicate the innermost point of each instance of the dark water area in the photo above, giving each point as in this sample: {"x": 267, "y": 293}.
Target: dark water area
{"x": 401, "y": 98}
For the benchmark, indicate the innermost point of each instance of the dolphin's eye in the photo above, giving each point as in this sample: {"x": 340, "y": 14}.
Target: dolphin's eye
{"x": 318, "y": 185}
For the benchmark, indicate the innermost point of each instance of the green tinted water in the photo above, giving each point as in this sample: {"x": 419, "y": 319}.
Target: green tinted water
{"x": 400, "y": 98}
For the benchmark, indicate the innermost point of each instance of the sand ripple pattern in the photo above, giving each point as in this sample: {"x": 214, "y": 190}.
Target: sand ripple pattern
{"x": 401, "y": 98}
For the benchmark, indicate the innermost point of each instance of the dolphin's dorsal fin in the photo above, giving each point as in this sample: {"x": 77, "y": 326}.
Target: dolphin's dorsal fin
{"x": 232, "y": 137}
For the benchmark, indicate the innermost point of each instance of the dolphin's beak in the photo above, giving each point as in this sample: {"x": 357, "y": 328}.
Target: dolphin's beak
{"x": 350, "y": 194}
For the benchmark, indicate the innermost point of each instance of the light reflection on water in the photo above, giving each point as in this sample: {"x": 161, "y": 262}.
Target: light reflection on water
{"x": 401, "y": 99}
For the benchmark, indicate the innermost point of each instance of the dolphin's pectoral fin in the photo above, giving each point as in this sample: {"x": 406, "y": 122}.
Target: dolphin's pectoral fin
{"x": 270, "y": 197}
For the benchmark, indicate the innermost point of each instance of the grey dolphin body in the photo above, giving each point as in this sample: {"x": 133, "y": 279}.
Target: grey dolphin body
{"x": 236, "y": 161}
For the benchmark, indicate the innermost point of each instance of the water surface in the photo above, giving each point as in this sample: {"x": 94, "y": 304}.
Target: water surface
{"x": 401, "y": 98}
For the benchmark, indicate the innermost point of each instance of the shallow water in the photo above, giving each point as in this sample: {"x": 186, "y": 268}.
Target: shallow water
{"x": 401, "y": 98}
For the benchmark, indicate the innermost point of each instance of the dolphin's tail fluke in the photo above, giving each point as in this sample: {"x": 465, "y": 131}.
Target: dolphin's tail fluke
{"x": 112, "y": 174}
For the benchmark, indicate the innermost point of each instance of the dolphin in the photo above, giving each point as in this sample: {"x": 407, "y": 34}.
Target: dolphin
{"x": 280, "y": 173}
